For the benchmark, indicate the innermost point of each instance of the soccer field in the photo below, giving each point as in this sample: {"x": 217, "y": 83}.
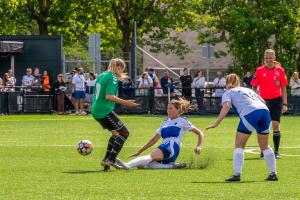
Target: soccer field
{"x": 39, "y": 161}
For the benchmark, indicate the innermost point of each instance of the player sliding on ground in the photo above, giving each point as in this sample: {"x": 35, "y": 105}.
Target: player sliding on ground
{"x": 254, "y": 116}
{"x": 105, "y": 97}
{"x": 171, "y": 131}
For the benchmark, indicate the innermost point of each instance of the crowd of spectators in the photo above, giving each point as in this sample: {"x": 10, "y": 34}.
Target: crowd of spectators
{"x": 76, "y": 95}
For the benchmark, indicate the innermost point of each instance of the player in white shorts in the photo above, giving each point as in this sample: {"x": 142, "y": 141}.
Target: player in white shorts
{"x": 254, "y": 116}
{"x": 171, "y": 131}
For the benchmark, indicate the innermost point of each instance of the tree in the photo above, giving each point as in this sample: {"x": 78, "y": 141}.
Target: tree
{"x": 249, "y": 27}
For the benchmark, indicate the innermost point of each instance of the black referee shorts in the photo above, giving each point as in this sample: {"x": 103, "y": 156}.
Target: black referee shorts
{"x": 275, "y": 107}
{"x": 112, "y": 122}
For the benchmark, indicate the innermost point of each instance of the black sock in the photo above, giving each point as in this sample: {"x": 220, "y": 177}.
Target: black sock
{"x": 110, "y": 145}
{"x": 276, "y": 140}
{"x": 118, "y": 144}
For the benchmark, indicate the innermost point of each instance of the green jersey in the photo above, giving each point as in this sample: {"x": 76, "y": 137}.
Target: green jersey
{"x": 107, "y": 83}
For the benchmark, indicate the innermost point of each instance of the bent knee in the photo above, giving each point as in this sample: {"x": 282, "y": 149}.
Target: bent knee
{"x": 124, "y": 132}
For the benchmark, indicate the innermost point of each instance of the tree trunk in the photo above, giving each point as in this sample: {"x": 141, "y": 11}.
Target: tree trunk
{"x": 43, "y": 27}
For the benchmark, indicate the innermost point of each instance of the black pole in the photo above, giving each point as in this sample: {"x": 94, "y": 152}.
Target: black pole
{"x": 133, "y": 54}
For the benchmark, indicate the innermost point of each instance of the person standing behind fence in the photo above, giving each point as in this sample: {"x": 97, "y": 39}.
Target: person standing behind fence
{"x": 295, "y": 84}
{"x": 128, "y": 87}
{"x": 167, "y": 83}
{"x": 272, "y": 82}
{"x": 89, "y": 90}
{"x": 37, "y": 82}
{"x": 13, "y": 80}
{"x": 145, "y": 83}
{"x": 59, "y": 87}
{"x": 186, "y": 81}
{"x": 219, "y": 83}
{"x": 78, "y": 82}
{"x": 46, "y": 82}
{"x": 199, "y": 85}
{"x": 27, "y": 80}
{"x": 247, "y": 80}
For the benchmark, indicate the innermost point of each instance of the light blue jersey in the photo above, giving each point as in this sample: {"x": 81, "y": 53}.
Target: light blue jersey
{"x": 172, "y": 132}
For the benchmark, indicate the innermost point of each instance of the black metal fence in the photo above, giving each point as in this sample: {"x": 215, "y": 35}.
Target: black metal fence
{"x": 18, "y": 102}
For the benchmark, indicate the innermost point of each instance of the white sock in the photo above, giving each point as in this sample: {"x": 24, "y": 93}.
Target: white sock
{"x": 270, "y": 159}
{"x": 238, "y": 160}
{"x": 139, "y": 161}
{"x": 157, "y": 165}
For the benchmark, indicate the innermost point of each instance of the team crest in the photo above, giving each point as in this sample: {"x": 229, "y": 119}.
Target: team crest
{"x": 277, "y": 74}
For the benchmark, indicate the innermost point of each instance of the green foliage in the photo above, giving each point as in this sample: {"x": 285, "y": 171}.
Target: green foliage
{"x": 250, "y": 27}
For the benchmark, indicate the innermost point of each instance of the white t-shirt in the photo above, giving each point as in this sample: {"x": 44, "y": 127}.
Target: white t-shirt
{"x": 78, "y": 80}
{"x": 146, "y": 81}
{"x": 173, "y": 130}
{"x": 243, "y": 100}
{"x": 198, "y": 82}
{"x": 219, "y": 82}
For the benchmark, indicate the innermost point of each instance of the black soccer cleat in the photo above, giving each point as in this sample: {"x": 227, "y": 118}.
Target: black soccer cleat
{"x": 277, "y": 155}
{"x": 272, "y": 177}
{"x": 106, "y": 165}
{"x": 234, "y": 178}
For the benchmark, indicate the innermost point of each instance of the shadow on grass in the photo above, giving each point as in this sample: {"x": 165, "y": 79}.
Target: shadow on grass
{"x": 82, "y": 171}
{"x": 213, "y": 182}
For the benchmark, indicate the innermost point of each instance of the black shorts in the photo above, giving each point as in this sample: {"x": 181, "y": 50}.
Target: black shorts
{"x": 112, "y": 122}
{"x": 275, "y": 107}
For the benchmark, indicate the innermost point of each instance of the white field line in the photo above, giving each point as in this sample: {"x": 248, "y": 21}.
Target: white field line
{"x": 250, "y": 149}
{"x": 50, "y": 119}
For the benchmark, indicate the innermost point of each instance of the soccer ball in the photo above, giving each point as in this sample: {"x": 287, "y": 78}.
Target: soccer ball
{"x": 85, "y": 147}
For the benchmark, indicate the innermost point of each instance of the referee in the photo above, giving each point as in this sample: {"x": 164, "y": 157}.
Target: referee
{"x": 270, "y": 81}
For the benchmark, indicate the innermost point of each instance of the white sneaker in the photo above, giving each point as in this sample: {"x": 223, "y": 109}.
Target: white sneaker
{"x": 82, "y": 113}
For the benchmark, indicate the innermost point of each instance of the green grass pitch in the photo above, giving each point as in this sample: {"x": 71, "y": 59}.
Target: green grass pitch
{"x": 38, "y": 160}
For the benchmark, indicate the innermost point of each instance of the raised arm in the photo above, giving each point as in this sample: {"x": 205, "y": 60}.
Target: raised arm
{"x": 223, "y": 113}
{"x": 149, "y": 144}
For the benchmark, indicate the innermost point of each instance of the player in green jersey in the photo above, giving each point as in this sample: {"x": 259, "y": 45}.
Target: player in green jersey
{"x": 105, "y": 97}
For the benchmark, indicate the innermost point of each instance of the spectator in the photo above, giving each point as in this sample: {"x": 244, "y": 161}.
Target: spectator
{"x": 37, "y": 82}
{"x": 9, "y": 82}
{"x": 219, "y": 84}
{"x": 1, "y": 84}
{"x": 13, "y": 80}
{"x": 120, "y": 88}
{"x": 167, "y": 83}
{"x": 152, "y": 75}
{"x": 89, "y": 90}
{"x": 199, "y": 84}
{"x": 59, "y": 87}
{"x": 145, "y": 82}
{"x": 295, "y": 84}
{"x": 46, "y": 82}
{"x": 27, "y": 80}
{"x": 186, "y": 81}
{"x": 128, "y": 88}
{"x": 247, "y": 80}
{"x": 157, "y": 87}
{"x": 79, "y": 92}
